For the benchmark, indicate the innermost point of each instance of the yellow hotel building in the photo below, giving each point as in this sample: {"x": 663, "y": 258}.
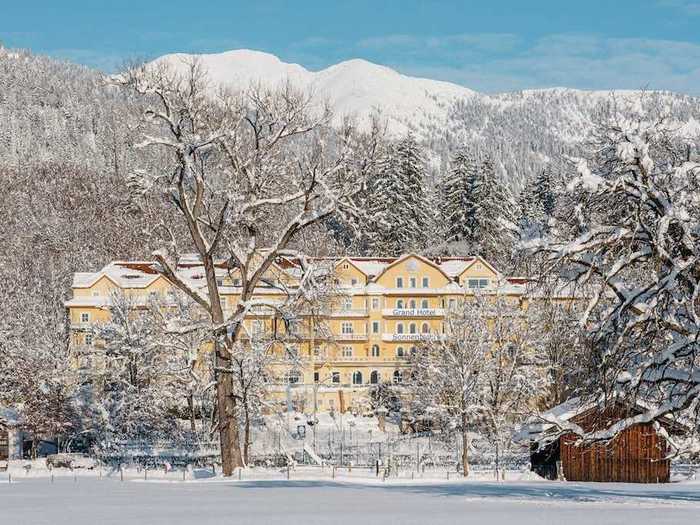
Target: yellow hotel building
{"x": 384, "y": 307}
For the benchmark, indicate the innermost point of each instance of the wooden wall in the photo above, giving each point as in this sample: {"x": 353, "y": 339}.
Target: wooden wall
{"x": 635, "y": 456}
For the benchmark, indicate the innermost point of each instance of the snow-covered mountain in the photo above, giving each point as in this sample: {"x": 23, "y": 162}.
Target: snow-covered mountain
{"x": 354, "y": 87}
{"x": 75, "y": 119}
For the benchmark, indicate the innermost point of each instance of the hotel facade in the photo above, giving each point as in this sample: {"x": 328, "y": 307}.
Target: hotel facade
{"x": 380, "y": 310}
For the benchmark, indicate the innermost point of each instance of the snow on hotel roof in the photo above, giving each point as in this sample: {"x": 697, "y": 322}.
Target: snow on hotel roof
{"x": 141, "y": 274}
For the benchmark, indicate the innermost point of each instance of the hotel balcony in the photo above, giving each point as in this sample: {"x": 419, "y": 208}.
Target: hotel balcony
{"x": 351, "y": 312}
{"x": 350, "y": 337}
{"x": 413, "y": 312}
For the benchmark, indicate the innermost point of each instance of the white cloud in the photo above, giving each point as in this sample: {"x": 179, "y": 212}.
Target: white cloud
{"x": 571, "y": 60}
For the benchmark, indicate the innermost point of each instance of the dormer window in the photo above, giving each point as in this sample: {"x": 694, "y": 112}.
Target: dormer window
{"x": 399, "y": 282}
{"x": 426, "y": 282}
{"x": 412, "y": 281}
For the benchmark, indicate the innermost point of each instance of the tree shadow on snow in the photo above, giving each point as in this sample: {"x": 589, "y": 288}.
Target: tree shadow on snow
{"x": 542, "y": 491}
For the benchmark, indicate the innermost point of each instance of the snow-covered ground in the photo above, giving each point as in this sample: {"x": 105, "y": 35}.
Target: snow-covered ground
{"x": 310, "y": 497}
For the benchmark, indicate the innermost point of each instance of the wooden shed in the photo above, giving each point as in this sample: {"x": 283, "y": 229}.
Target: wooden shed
{"x": 10, "y": 437}
{"x": 636, "y": 455}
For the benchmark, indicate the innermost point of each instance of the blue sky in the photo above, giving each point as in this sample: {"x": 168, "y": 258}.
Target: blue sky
{"x": 488, "y": 45}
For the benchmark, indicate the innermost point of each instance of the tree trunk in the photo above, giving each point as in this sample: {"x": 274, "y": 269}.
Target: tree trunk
{"x": 190, "y": 407}
{"x": 246, "y": 438}
{"x": 465, "y": 447}
{"x": 229, "y": 437}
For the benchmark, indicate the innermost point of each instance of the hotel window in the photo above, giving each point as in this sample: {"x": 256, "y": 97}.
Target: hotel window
{"x": 477, "y": 283}
{"x": 316, "y": 377}
{"x": 95, "y": 293}
{"x": 374, "y": 377}
{"x": 398, "y": 377}
{"x": 353, "y": 282}
{"x": 426, "y": 282}
{"x": 293, "y": 377}
{"x": 335, "y": 377}
{"x": 424, "y": 303}
{"x": 85, "y": 317}
{"x": 375, "y": 350}
{"x": 375, "y": 303}
{"x": 399, "y": 282}
{"x": 375, "y": 327}
{"x": 399, "y": 328}
{"x": 346, "y": 303}
{"x": 400, "y": 352}
{"x": 412, "y": 328}
{"x": 357, "y": 378}
{"x": 346, "y": 328}
{"x": 412, "y": 280}
{"x": 258, "y": 327}
{"x": 413, "y": 304}
{"x": 425, "y": 328}
{"x": 88, "y": 339}
{"x": 413, "y": 350}
{"x": 399, "y": 304}
{"x": 347, "y": 351}
{"x": 452, "y": 303}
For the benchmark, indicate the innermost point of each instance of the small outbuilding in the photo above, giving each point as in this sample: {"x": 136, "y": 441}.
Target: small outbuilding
{"x": 10, "y": 436}
{"x": 637, "y": 454}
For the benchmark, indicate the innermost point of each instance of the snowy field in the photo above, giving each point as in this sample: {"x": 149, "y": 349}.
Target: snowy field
{"x": 346, "y": 499}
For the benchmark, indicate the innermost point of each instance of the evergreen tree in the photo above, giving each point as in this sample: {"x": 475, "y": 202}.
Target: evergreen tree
{"x": 397, "y": 202}
{"x": 455, "y": 197}
{"x": 490, "y": 213}
{"x": 537, "y": 205}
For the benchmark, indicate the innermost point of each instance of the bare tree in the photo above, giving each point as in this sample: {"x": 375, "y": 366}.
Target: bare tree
{"x": 250, "y": 171}
{"x": 631, "y": 234}
{"x": 483, "y": 373}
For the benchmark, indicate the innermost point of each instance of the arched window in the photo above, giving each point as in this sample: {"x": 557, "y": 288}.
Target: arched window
{"x": 374, "y": 377}
{"x": 413, "y": 350}
{"x": 425, "y": 328}
{"x": 400, "y": 352}
{"x": 357, "y": 378}
{"x": 399, "y": 328}
{"x": 398, "y": 377}
{"x": 424, "y": 303}
{"x": 399, "y": 304}
{"x": 413, "y": 304}
{"x": 412, "y": 328}
{"x": 375, "y": 350}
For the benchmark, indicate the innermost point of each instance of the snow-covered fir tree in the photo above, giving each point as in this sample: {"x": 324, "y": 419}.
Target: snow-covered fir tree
{"x": 398, "y": 207}
{"x": 455, "y": 197}
{"x": 489, "y": 214}
{"x": 537, "y": 205}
